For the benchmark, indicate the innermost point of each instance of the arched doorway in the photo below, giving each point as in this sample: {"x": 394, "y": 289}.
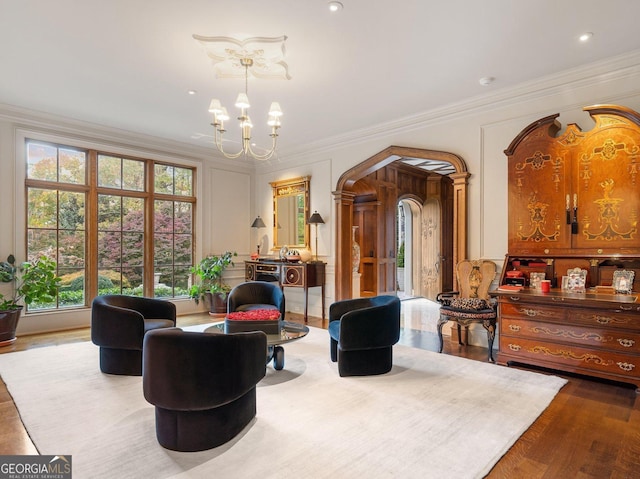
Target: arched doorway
{"x": 409, "y": 239}
{"x": 345, "y": 196}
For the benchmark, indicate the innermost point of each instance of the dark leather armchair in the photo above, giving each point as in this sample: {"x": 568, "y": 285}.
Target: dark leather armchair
{"x": 118, "y": 326}
{"x": 203, "y": 385}
{"x": 256, "y": 295}
{"x": 363, "y": 332}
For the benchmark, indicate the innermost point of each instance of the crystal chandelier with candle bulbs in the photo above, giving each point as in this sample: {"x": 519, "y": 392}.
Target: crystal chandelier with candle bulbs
{"x": 263, "y": 58}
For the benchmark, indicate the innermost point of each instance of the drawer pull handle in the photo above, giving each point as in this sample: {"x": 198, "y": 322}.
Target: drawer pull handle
{"x": 628, "y": 308}
{"x": 514, "y": 327}
{"x": 603, "y": 320}
{"x": 530, "y": 312}
{"x": 627, "y": 343}
{"x": 514, "y": 298}
{"x": 626, "y": 366}
{"x": 557, "y": 299}
{"x": 514, "y": 347}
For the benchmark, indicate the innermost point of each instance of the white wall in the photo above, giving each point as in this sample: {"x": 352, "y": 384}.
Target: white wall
{"x": 232, "y": 193}
{"x": 479, "y": 131}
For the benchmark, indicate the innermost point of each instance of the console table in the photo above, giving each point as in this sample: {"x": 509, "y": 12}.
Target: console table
{"x": 287, "y": 274}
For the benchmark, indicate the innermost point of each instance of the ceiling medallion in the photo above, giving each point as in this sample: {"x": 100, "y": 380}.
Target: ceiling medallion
{"x": 226, "y": 54}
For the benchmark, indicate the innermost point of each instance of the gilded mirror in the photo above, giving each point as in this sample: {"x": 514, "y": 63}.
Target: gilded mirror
{"x": 290, "y": 213}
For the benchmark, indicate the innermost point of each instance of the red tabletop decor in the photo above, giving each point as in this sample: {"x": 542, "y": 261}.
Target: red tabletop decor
{"x": 266, "y": 320}
{"x": 255, "y": 315}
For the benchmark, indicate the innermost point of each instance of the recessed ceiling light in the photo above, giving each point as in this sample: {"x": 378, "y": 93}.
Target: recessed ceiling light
{"x": 585, "y": 37}
{"x": 335, "y": 6}
{"x": 192, "y": 92}
{"x": 484, "y": 81}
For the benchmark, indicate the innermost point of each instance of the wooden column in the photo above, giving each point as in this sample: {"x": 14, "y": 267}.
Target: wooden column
{"x": 344, "y": 222}
{"x": 460, "y": 185}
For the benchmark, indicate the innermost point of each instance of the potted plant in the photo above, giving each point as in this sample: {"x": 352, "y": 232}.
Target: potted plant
{"x": 210, "y": 286}
{"x": 33, "y": 282}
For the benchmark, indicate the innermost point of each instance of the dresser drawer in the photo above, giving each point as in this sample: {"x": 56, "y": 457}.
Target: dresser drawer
{"x": 611, "y": 339}
{"x": 569, "y": 357}
{"x": 604, "y": 318}
{"x": 533, "y": 311}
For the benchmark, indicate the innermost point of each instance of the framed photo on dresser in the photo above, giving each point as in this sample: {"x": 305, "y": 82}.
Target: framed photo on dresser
{"x": 535, "y": 280}
{"x": 623, "y": 281}
{"x": 575, "y": 281}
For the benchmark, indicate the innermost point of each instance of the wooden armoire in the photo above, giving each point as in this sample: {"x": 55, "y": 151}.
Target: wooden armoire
{"x": 574, "y": 201}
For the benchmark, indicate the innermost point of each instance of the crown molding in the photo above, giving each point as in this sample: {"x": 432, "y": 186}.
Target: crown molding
{"x": 597, "y": 73}
{"x": 109, "y": 137}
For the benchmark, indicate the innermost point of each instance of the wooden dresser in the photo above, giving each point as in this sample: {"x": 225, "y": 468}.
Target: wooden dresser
{"x": 586, "y": 333}
{"x": 287, "y": 274}
{"x": 574, "y": 202}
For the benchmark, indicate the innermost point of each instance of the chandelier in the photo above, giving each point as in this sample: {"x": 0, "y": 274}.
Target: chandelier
{"x": 260, "y": 57}
{"x": 220, "y": 115}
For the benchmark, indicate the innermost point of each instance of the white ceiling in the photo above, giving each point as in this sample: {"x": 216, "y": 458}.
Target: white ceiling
{"x": 129, "y": 63}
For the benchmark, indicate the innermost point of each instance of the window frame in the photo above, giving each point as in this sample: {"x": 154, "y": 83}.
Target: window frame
{"x": 93, "y": 149}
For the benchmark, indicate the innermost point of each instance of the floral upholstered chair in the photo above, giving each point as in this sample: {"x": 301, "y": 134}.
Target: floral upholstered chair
{"x": 472, "y": 304}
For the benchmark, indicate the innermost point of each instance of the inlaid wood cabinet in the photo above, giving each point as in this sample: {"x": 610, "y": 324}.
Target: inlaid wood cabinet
{"x": 574, "y": 201}
{"x": 577, "y": 191}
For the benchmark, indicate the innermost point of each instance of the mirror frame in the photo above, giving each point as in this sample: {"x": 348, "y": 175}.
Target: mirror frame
{"x": 286, "y": 188}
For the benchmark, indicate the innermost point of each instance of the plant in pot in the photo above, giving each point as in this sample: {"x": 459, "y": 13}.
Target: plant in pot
{"x": 33, "y": 282}
{"x": 210, "y": 286}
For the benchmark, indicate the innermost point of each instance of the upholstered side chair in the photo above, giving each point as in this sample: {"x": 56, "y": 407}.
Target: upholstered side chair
{"x": 256, "y": 295}
{"x": 472, "y": 303}
{"x": 118, "y": 326}
{"x": 203, "y": 385}
{"x": 362, "y": 334}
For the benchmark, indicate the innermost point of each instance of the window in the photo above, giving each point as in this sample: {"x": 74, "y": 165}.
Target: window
{"x": 95, "y": 214}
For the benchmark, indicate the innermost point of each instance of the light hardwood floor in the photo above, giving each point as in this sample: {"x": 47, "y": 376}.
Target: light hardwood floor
{"x": 590, "y": 430}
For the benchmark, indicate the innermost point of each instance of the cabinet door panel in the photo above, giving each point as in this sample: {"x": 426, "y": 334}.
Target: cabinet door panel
{"x": 539, "y": 182}
{"x": 606, "y": 185}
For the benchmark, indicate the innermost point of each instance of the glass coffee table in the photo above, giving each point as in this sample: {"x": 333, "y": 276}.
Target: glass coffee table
{"x": 289, "y": 332}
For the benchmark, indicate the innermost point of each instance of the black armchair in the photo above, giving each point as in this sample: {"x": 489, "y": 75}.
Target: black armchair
{"x": 118, "y": 326}
{"x": 363, "y": 332}
{"x": 256, "y": 295}
{"x": 203, "y": 385}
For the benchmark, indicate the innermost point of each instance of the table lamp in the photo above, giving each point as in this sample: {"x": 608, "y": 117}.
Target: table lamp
{"x": 316, "y": 220}
{"x": 258, "y": 223}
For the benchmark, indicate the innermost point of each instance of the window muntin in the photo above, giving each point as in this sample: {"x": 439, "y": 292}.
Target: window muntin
{"x": 50, "y": 163}
{"x": 120, "y": 173}
{"x": 120, "y": 245}
{"x": 173, "y": 246}
{"x": 173, "y": 180}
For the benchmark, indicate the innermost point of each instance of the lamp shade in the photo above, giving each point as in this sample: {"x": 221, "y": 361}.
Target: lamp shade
{"x": 315, "y": 219}
{"x": 215, "y": 106}
{"x": 258, "y": 223}
{"x": 242, "y": 101}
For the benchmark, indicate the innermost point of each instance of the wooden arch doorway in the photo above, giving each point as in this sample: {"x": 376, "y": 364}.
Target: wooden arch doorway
{"x": 345, "y": 196}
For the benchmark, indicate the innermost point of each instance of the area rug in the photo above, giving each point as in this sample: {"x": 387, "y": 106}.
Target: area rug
{"x": 432, "y": 416}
